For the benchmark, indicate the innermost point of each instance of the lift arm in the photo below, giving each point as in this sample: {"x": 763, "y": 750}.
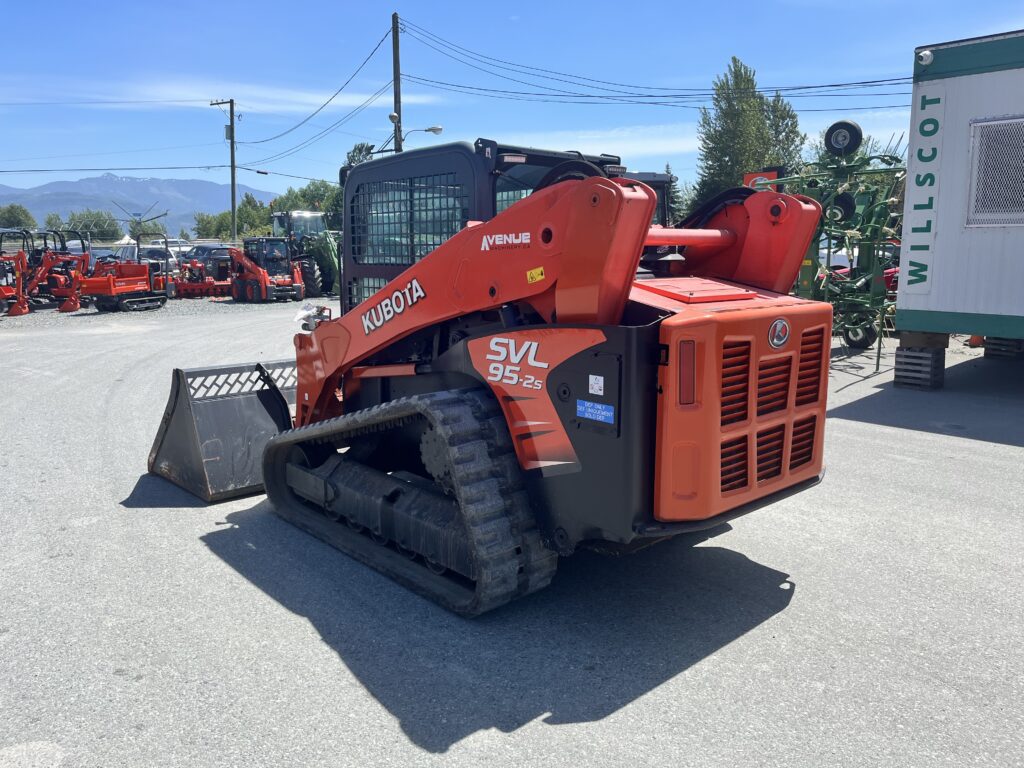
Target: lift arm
{"x": 570, "y": 252}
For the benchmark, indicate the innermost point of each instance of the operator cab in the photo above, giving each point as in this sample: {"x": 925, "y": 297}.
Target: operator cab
{"x": 301, "y": 223}
{"x": 270, "y": 254}
{"x": 401, "y": 207}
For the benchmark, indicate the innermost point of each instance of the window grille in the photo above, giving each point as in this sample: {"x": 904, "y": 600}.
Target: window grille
{"x": 997, "y": 173}
{"x": 398, "y": 222}
{"x": 362, "y": 288}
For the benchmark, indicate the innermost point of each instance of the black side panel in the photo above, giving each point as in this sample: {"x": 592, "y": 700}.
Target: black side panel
{"x": 613, "y": 434}
{"x": 611, "y": 422}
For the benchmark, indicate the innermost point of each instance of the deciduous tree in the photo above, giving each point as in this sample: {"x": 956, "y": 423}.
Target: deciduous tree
{"x": 16, "y": 216}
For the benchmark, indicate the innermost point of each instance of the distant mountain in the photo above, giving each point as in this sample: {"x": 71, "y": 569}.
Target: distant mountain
{"x": 182, "y": 198}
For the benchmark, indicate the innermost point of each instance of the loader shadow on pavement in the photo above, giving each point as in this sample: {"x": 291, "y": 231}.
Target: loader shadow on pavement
{"x": 152, "y": 492}
{"x": 982, "y": 400}
{"x": 607, "y": 631}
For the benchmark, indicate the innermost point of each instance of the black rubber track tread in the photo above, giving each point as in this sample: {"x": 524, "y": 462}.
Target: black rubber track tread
{"x": 509, "y": 559}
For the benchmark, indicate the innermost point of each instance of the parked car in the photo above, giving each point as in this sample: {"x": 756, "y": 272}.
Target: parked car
{"x": 174, "y": 245}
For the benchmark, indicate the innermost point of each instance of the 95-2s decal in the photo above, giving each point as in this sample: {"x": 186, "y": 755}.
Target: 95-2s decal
{"x": 518, "y": 367}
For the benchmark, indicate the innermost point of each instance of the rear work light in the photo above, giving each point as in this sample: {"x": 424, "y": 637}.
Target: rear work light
{"x": 687, "y": 372}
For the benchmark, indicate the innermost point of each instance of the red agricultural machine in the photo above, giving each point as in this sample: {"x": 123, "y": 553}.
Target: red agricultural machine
{"x": 265, "y": 271}
{"x": 132, "y": 286}
{"x": 518, "y": 393}
{"x": 207, "y": 276}
{"x": 13, "y": 269}
{"x": 52, "y": 273}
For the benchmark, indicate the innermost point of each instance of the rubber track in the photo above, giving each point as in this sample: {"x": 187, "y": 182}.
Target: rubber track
{"x": 509, "y": 559}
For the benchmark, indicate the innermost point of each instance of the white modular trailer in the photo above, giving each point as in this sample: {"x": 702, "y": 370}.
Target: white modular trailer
{"x": 962, "y": 257}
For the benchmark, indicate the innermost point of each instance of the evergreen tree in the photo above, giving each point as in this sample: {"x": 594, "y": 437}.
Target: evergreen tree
{"x": 677, "y": 207}
{"x": 743, "y": 131}
{"x": 359, "y": 153}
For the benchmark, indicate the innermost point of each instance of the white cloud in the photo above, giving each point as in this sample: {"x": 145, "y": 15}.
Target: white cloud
{"x": 265, "y": 98}
{"x": 628, "y": 141}
{"x": 197, "y": 93}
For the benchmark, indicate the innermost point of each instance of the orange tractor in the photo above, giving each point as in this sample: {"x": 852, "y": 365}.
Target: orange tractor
{"x": 518, "y": 394}
{"x": 132, "y": 286}
{"x": 265, "y": 271}
{"x": 13, "y": 270}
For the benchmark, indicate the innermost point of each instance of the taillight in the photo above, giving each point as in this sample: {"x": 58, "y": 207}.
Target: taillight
{"x": 687, "y": 372}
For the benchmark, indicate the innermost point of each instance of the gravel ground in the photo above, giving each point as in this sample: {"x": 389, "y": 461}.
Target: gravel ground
{"x": 875, "y": 620}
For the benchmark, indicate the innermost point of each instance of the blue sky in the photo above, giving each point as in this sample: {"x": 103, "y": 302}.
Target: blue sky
{"x": 281, "y": 61}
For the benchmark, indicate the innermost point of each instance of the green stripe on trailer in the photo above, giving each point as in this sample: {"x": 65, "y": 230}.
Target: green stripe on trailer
{"x": 1003, "y": 326}
{"x": 989, "y": 54}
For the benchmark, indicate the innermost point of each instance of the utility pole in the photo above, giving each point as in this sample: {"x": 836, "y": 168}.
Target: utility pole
{"x": 396, "y": 74}
{"x": 229, "y": 134}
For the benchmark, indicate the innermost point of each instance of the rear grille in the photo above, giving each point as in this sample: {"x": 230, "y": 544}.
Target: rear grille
{"x": 734, "y": 464}
{"x": 808, "y": 378}
{"x": 770, "y": 443}
{"x": 773, "y": 385}
{"x": 735, "y": 381}
{"x": 802, "y": 450}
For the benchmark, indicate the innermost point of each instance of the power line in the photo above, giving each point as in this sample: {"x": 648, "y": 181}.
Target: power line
{"x": 326, "y": 131}
{"x": 329, "y": 100}
{"x": 99, "y": 101}
{"x": 553, "y": 91}
{"x": 262, "y": 172}
{"x": 251, "y": 108}
{"x": 677, "y": 91}
{"x": 559, "y": 95}
{"x": 107, "y": 170}
{"x": 506, "y": 95}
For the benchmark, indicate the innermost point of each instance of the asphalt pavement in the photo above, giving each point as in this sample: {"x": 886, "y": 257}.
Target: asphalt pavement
{"x": 874, "y": 620}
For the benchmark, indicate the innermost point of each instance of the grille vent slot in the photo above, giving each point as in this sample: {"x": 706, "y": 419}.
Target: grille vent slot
{"x": 735, "y": 381}
{"x": 808, "y": 377}
{"x": 770, "y": 444}
{"x": 734, "y": 464}
{"x": 802, "y": 450}
{"x": 773, "y": 385}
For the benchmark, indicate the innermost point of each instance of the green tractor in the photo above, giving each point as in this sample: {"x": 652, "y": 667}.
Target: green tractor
{"x": 313, "y": 247}
{"x": 853, "y": 263}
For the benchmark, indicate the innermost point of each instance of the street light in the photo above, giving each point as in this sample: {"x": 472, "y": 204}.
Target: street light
{"x": 437, "y": 130}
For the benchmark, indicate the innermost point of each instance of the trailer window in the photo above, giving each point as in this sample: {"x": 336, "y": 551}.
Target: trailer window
{"x": 398, "y": 222}
{"x": 997, "y": 173}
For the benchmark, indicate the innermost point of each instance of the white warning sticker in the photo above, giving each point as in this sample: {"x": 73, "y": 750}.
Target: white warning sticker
{"x": 596, "y": 385}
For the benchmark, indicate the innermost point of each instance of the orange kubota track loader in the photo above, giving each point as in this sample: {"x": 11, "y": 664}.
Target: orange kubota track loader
{"x": 517, "y": 394}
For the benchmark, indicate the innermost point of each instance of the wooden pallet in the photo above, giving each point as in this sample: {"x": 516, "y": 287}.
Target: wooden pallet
{"x": 1006, "y": 349}
{"x": 920, "y": 367}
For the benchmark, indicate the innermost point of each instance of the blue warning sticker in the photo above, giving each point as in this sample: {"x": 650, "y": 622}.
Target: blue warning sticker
{"x": 595, "y": 411}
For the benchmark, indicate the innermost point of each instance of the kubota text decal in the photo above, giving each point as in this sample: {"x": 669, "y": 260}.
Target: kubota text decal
{"x": 392, "y": 305}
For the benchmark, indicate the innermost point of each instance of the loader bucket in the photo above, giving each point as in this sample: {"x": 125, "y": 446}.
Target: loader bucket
{"x": 216, "y": 423}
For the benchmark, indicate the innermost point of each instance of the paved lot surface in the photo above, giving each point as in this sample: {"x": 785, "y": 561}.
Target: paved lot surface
{"x": 875, "y": 620}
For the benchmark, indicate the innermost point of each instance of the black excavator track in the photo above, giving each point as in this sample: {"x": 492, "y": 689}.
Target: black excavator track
{"x": 456, "y": 529}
